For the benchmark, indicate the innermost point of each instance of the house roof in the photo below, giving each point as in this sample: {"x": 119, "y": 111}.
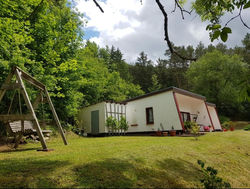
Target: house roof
{"x": 210, "y": 104}
{"x": 174, "y": 89}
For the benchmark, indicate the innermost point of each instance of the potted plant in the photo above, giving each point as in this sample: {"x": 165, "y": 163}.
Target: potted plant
{"x": 231, "y": 128}
{"x": 227, "y": 125}
{"x": 172, "y": 132}
{"x": 158, "y": 132}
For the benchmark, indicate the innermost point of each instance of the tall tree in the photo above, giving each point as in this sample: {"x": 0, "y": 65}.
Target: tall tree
{"x": 216, "y": 76}
{"x": 142, "y": 72}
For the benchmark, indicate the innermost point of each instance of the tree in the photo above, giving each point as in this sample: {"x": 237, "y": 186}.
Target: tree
{"x": 216, "y": 76}
{"x": 142, "y": 72}
{"x": 98, "y": 83}
{"x": 155, "y": 84}
{"x": 42, "y": 37}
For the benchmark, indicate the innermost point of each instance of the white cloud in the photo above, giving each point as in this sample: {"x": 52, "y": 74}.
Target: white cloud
{"x": 134, "y": 27}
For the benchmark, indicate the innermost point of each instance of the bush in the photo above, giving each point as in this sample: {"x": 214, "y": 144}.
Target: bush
{"x": 187, "y": 125}
{"x": 224, "y": 119}
{"x": 195, "y": 129}
{"x": 247, "y": 128}
{"x": 115, "y": 125}
{"x": 227, "y": 125}
{"x": 211, "y": 180}
{"x": 123, "y": 124}
{"x": 111, "y": 124}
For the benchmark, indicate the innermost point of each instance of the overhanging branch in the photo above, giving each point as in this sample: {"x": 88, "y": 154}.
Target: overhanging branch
{"x": 171, "y": 49}
{"x": 97, "y": 4}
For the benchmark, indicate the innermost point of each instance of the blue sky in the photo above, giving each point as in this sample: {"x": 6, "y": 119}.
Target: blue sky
{"x": 90, "y": 33}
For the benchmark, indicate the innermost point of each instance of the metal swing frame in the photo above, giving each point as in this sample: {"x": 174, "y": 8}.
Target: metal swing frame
{"x": 19, "y": 84}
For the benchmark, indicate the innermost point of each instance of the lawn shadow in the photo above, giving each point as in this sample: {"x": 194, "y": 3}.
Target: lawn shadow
{"x": 12, "y": 150}
{"x": 117, "y": 173}
{"x": 181, "y": 169}
{"x": 28, "y": 173}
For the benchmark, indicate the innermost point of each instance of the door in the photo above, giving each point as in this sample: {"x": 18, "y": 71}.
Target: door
{"x": 95, "y": 122}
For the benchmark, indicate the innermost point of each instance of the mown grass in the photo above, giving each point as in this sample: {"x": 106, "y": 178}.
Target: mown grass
{"x": 128, "y": 161}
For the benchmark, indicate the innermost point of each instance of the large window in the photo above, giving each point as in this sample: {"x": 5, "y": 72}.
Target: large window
{"x": 149, "y": 115}
{"x": 185, "y": 116}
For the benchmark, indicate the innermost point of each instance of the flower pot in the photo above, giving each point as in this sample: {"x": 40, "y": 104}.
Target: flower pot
{"x": 232, "y": 129}
{"x": 158, "y": 133}
{"x": 165, "y": 133}
{"x": 224, "y": 130}
{"x": 172, "y": 133}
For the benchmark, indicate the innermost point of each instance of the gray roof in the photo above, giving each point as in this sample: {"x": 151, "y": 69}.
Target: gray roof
{"x": 174, "y": 89}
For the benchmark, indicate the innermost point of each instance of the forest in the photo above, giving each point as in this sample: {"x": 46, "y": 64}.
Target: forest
{"x": 46, "y": 40}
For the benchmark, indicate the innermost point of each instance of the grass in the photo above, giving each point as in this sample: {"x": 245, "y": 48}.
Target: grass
{"x": 140, "y": 162}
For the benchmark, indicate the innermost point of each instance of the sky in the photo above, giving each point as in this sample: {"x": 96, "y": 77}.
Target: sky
{"x": 134, "y": 27}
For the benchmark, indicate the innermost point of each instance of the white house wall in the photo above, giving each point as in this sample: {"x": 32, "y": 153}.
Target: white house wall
{"x": 214, "y": 117}
{"x": 194, "y": 106}
{"x": 164, "y": 112}
{"x": 84, "y": 117}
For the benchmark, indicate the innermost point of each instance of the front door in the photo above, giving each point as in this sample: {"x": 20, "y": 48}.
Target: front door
{"x": 95, "y": 122}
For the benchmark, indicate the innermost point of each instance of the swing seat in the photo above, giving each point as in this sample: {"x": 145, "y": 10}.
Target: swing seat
{"x": 16, "y": 127}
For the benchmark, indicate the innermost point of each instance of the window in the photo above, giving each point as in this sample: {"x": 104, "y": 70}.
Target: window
{"x": 149, "y": 115}
{"x": 185, "y": 116}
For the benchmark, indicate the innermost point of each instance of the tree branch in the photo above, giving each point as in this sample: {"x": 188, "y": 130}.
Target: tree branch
{"x": 97, "y": 4}
{"x": 238, "y": 15}
{"x": 181, "y": 9}
{"x": 171, "y": 49}
{"x": 35, "y": 10}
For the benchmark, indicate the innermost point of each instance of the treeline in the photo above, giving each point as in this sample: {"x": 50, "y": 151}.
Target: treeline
{"x": 45, "y": 39}
{"x": 221, "y": 74}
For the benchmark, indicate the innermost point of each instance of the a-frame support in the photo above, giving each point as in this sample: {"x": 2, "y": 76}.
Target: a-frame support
{"x": 20, "y": 76}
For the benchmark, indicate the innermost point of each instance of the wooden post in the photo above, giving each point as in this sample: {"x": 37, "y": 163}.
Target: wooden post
{"x": 29, "y": 105}
{"x": 55, "y": 116}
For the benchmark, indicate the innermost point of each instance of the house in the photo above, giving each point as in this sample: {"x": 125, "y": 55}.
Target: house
{"x": 163, "y": 110}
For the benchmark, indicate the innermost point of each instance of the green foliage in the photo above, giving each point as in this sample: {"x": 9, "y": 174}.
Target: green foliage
{"x": 142, "y": 72}
{"x": 227, "y": 125}
{"x": 212, "y": 11}
{"x": 115, "y": 125}
{"x": 123, "y": 124}
{"x": 223, "y": 119}
{"x": 220, "y": 74}
{"x": 192, "y": 127}
{"x": 111, "y": 123}
{"x": 211, "y": 180}
{"x": 195, "y": 129}
{"x": 187, "y": 125}
{"x": 247, "y": 128}
{"x": 155, "y": 84}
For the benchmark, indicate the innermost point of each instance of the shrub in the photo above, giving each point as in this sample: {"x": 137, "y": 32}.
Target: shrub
{"x": 195, "y": 129}
{"x": 123, "y": 124}
{"x": 211, "y": 180}
{"x": 247, "y": 128}
{"x": 112, "y": 124}
{"x": 227, "y": 125}
{"x": 224, "y": 119}
{"x": 187, "y": 125}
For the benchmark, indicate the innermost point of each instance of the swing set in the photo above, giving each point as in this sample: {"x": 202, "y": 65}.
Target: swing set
{"x": 21, "y": 124}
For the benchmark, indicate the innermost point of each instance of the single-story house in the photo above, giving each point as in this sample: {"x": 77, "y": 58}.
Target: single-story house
{"x": 163, "y": 110}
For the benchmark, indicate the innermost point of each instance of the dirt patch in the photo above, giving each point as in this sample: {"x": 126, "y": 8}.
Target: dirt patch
{"x": 4, "y": 148}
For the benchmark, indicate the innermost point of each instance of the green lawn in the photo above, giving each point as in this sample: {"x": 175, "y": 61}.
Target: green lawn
{"x": 128, "y": 161}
